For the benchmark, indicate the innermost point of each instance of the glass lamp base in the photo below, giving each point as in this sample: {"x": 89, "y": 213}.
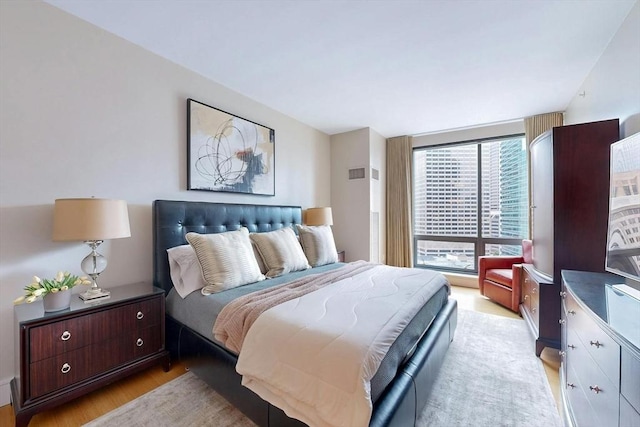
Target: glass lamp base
{"x": 93, "y": 294}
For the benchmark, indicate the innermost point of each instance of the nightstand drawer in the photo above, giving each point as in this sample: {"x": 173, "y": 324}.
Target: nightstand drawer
{"x": 59, "y": 371}
{"x": 131, "y": 317}
{"x": 56, "y": 338}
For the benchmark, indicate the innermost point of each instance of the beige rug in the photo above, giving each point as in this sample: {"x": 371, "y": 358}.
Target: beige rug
{"x": 490, "y": 377}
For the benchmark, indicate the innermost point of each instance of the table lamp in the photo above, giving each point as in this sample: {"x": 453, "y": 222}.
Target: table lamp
{"x": 319, "y": 216}
{"x": 91, "y": 221}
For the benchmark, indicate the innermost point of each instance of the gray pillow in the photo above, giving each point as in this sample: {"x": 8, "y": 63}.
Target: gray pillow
{"x": 280, "y": 251}
{"x": 226, "y": 259}
{"x": 318, "y": 244}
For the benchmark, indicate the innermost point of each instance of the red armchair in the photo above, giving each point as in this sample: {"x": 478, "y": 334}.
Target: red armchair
{"x": 499, "y": 276}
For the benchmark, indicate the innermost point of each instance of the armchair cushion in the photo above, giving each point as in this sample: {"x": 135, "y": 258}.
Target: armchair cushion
{"x": 503, "y": 276}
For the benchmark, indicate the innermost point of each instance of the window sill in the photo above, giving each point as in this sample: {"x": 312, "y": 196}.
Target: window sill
{"x": 464, "y": 280}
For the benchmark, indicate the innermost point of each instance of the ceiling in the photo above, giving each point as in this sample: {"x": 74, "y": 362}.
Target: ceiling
{"x": 398, "y": 67}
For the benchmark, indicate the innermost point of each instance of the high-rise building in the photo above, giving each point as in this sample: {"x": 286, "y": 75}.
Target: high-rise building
{"x": 446, "y": 200}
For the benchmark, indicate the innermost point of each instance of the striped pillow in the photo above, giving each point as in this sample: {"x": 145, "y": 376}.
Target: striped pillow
{"x": 226, "y": 259}
{"x": 318, "y": 244}
{"x": 280, "y": 251}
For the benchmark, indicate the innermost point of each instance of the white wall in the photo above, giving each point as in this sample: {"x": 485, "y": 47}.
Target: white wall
{"x": 85, "y": 113}
{"x": 355, "y": 203}
{"x": 612, "y": 88}
{"x": 378, "y": 203}
{"x": 350, "y": 198}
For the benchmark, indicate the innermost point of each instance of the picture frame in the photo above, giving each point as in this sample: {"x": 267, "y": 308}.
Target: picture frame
{"x": 228, "y": 153}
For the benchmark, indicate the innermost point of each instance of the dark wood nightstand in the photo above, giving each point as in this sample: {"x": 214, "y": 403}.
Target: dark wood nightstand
{"x": 341, "y": 257}
{"x": 66, "y": 354}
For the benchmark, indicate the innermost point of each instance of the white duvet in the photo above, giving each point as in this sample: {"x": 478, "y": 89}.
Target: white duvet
{"x": 314, "y": 356}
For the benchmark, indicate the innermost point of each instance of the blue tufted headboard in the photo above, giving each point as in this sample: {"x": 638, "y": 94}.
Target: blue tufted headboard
{"x": 172, "y": 220}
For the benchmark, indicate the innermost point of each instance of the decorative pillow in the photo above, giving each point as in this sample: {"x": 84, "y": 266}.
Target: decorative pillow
{"x": 226, "y": 259}
{"x": 263, "y": 268}
{"x": 184, "y": 269}
{"x": 280, "y": 251}
{"x": 318, "y": 244}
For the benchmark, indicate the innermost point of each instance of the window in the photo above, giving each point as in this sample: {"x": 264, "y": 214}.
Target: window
{"x": 469, "y": 199}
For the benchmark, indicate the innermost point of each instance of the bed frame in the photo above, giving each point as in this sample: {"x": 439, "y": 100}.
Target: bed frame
{"x": 401, "y": 402}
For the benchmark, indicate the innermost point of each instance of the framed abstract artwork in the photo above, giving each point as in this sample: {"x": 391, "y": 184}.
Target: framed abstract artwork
{"x": 228, "y": 153}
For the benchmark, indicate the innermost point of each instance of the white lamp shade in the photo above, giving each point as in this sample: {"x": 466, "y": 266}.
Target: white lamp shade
{"x": 90, "y": 219}
{"x": 319, "y": 216}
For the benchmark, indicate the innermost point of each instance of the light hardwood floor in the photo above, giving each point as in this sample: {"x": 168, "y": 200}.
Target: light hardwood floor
{"x": 117, "y": 394}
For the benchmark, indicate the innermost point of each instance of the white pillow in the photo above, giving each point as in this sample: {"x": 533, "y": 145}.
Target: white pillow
{"x": 318, "y": 244}
{"x": 226, "y": 259}
{"x": 184, "y": 269}
{"x": 280, "y": 251}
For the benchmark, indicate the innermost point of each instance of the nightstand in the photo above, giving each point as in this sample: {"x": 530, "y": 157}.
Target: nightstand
{"x": 67, "y": 354}
{"x": 341, "y": 257}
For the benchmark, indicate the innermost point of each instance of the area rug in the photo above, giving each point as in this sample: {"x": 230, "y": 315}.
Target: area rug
{"x": 490, "y": 377}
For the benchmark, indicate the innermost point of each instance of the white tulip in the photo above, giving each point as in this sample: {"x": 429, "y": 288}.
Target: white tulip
{"x": 36, "y": 279}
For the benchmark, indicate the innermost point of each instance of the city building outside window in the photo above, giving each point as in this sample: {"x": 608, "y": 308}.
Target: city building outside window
{"x": 469, "y": 199}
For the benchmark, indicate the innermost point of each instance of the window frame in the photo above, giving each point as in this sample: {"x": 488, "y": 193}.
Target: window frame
{"x": 479, "y": 241}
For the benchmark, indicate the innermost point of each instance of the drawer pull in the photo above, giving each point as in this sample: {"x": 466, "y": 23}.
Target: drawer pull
{"x": 562, "y": 321}
{"x": 571, "y": 346}
{"x": 596, "y": 343}
{"x": 563, "y": 294}
{"x": 526, "y": 297}
{"x": 534, "y": 290}
{"x": 139, "y": 342}
{"x": 595, "y": 389}
{"x": 533, "y": 310}
{"x": 526, "y": 280}
{"x": 562, "y": 353}
{"x": 139, "y": 316}
{"x": 65, "y": 368}
{"x": 570, "y": 385}
{"x": 65, "y": 336}
{"x": 572, "y": 312}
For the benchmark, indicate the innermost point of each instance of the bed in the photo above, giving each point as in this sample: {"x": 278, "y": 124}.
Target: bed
{"x": 399, "y": 392}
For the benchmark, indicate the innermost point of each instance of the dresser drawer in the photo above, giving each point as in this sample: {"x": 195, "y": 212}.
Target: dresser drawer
{"x": 630, "y": 378}
{"x": 629, "y": 417}
{"x": 602, "y": 394}
{"x": 602, "y": 348}
{"x": 531, "y": 297}
{"x": 578, "y": 402}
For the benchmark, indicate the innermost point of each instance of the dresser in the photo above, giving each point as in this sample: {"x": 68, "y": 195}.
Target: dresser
{"x": 569, "y": 212}
{"x": 600, "y": 368}
{"x": 66, "y": 354}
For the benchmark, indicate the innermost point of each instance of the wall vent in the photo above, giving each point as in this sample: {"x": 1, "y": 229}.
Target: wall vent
{"x": 357, "y": 173}
{"x": 375, "y": 174}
